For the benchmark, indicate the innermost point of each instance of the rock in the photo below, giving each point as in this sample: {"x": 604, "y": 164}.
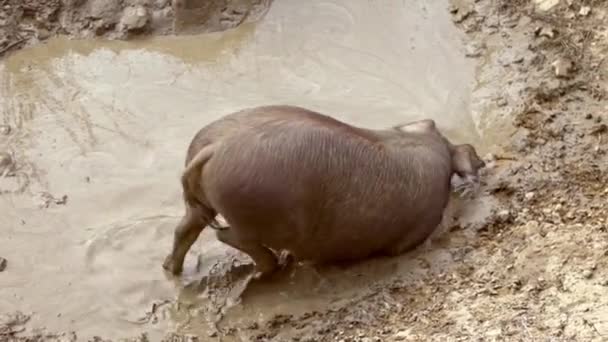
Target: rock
{"x": 43, "y": 34}
{"x": 461, "y": 14}
{"x": 193, "y": 338}
{"x": 504, "y": 215}
{"x": 7, "y": 164}
{"x": 402, "y": 335}
{"x": 474, "y": 50}
{"x": 599, "y": 129}
{"x": 104, "y": 9}
{"x": 584, "y": 11}
{"x": 529, "y": 195}
{"x": 490, "y": 157}
{"x": 545, "y": 31}
{"x": 162, "y": 3}
{"x": 46, "y": 200}
{"x": 5, "y": 129}
{"x": 3, "y": 264}
{"x": 134, "y": 18}
{"x": 501, "y": 102}
{"x": 545, "y": 5}
{"x": 67, "y": 337}
{"x": 562, "y": 67}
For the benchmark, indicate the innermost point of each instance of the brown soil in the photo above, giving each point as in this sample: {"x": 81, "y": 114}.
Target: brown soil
{"x": 536, "y": 268}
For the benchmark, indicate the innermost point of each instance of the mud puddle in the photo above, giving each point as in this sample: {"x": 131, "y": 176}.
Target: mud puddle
{"x": 99, "y": 132}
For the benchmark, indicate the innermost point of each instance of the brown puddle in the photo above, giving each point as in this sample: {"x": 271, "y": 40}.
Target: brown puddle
{"x": 108, "y": 123}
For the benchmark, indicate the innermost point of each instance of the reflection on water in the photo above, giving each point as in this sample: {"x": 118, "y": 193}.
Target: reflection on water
{"x": 107, "y": 124}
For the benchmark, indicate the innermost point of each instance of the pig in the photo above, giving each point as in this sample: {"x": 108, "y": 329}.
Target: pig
{"x": 286, "y": 178}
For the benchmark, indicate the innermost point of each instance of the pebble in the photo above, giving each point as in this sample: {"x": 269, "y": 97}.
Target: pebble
{"x": 104, "y": 9}
{"x": 3, "y": 264}
{"x": 191, "y": 338}
{"x": 529, "y": 195}
{"x": 7, "y": 164}
{"x": 43, "y": 34}
{"x": 562, "y": 67}
{"x": 460, "y": 14}
{"x": 5, "y": 129}
{"x": 545, "y": 31}
{"x": 585, "y": 10}
{"x": 474, "y": 50}
{"x": 504, "y": 215}
{"x": 545, "y": 5}
{"x": 402, "y": 335}
{"x": 133, "y": 18}
{"x": 501, "y": 102}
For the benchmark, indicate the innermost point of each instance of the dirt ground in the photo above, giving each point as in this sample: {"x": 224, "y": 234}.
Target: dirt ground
{"x": 535, "y": 269}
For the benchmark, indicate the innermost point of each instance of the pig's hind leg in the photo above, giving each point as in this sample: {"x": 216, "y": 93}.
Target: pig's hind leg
{"x": 266, "y": 261}
{"x": 186, "y": 232}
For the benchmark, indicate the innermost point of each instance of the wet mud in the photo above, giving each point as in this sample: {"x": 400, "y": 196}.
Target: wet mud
{"x": 94, "y": 134}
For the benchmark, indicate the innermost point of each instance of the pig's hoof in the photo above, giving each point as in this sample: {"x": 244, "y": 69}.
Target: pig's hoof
{"x": 287, "y": 260}
{"x": 171, "y": 266}
{"x": 266, "y": 272}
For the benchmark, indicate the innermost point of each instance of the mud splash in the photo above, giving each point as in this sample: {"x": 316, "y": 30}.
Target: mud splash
{"x": 99, "y": 132}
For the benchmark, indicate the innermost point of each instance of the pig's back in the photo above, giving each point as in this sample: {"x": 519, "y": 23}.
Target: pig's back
{"x": 321, "y": 191}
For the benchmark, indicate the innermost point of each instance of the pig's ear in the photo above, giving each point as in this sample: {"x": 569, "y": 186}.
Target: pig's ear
{"x": 421, "y": 126}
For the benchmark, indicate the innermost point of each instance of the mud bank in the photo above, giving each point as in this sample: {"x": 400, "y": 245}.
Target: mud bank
{"x": 29, "y": 22}
{"x": 523, "y": 260}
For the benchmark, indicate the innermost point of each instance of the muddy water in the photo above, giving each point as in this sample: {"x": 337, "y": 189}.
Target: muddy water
{"x": 107, "y": 125}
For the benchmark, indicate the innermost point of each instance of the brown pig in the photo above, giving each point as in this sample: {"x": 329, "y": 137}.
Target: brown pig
{"x": 287, "y": 178}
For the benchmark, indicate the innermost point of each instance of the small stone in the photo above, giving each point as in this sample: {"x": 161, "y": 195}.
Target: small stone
{"x": 584, "y": 11}
{"x": 589, "y": 116}
{"x": 474, "y": 50}
{"x": 529, "y": 195}
{"x": 5, "y": 129}
{"x": 134, "y": 18}
{"x": 501, "y": 102}
{"x": 402, "y": 335}
{"x": 104, "y": 9}
{"x": 43, "y": 34}
{"x": 588, "y": 274}
{"x": 562, "y": 67}
{"x": 3, "y": 264}
{"x": 494, "y": 333}
{"x": 545, "y": 31}
{"x": 461, "y": 14}
{"x": 545, "y": 5}
{"x": 504, "y": 215}
{"x": 7, "y": 164}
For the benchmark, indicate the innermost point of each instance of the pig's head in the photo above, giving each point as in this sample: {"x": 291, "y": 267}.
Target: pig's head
{"x": 466, "y": 163}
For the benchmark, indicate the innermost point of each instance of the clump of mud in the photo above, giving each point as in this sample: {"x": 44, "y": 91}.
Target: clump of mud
{"x": 26, "y": 22}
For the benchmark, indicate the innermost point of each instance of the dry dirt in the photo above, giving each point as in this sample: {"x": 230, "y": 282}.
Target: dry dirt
{"x": 535, "y": 269}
